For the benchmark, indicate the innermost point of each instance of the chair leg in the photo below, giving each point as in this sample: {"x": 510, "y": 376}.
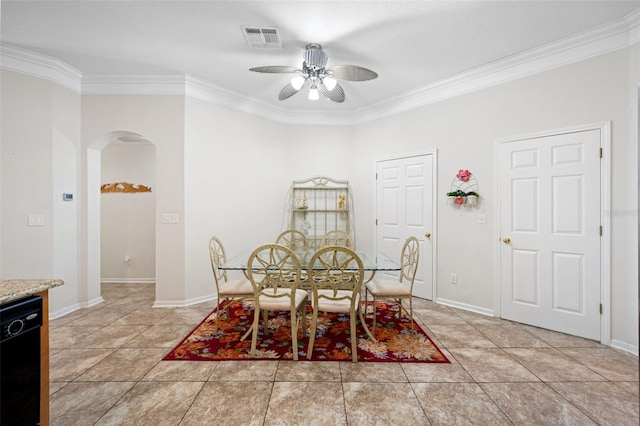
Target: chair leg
{"x": 312, "y": 332}
{"x": 374, "y": 314}
{"x": 354, "y": 338}
{"x": 294, "y": 334}
{"x": 217, "y": 315}
{"x": 364, "y": 325}
{"x": 254, "y": 338}
{"x": 302, "y": 316}
{"x": 411, "y": 312}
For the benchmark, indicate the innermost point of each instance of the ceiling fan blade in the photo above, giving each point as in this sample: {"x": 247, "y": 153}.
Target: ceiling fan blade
{"x": 275, "y": 69}
{"x": 287, "y": 92}
{"x": 352, "y": 73}
{"x": 336, "y": 95}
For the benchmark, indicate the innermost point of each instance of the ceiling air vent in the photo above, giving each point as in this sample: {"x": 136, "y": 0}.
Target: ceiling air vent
{"x": 262, "y": 36}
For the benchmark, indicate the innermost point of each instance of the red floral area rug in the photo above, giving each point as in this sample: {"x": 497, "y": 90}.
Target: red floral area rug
{"x": 397, "y": 340}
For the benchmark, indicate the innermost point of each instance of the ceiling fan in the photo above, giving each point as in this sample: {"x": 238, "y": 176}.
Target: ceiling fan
{"x": 315, "y": 75}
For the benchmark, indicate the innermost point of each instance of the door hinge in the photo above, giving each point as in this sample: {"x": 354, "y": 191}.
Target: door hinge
{"x": 601, "y": 308}
{"x": 601, "y": 230}
{"x": 376, "y": 222}
{"x": 376, "y": 176}
{"x": 601, "y": 153}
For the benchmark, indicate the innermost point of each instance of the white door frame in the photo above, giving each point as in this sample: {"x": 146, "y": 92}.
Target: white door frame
{"x": 605, "y": 219}
{"x": 434, "y": 213}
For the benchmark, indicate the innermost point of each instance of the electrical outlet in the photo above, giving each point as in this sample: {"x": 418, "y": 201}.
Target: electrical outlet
{"x": 482, "y": 218}
{"x": 454, "y": 279}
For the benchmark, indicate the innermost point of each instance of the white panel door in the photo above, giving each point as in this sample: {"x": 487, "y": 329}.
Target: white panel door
{"x": 404, "y": 198}
{"x": 550, "y": 230}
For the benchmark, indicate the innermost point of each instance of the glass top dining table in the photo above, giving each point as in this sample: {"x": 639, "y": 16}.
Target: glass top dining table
{"x": 371, "y": 262}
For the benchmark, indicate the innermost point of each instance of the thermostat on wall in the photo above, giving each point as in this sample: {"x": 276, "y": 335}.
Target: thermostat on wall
{"x": 67, "y": 197}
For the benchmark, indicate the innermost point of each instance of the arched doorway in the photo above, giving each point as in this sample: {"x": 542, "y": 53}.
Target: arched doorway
{"x": 120, "y": 223}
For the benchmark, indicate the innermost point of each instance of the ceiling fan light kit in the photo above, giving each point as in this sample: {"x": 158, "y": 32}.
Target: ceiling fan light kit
{"x": 315, "y": 75}
{"x": 313, "y": 93}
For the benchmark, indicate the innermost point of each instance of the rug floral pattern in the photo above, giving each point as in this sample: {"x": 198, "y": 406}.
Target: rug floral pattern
{"x": 397, "y": 341}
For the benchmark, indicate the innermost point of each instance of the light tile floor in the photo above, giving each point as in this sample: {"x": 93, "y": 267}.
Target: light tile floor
{"x": 106, "y": 369}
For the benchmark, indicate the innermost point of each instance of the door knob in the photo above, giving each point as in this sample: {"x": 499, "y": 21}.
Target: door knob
{"x": 427, "y": 234}
{"x": 506, "y": 240}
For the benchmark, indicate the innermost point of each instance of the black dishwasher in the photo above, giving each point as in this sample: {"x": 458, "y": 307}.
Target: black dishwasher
{"x": 20, "y": 323}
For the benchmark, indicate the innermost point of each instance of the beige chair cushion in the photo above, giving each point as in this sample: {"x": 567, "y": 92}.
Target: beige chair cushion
{"x": 238, "y": 287}
{"x": 388, "y": 288}
{"x": 339, "y": 306}
{"x": 282, "y": 302}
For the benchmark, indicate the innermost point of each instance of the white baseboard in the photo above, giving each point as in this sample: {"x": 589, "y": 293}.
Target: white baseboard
{"x": 92, "y": 302}
{"x": 127, "y": 280}
{"x": 62, "y": 312}
{"x": 624, "y": 346}
{"x": 183, "y": 303}
{"x": 67, "y": 310}
{"x": 466, "y": 307}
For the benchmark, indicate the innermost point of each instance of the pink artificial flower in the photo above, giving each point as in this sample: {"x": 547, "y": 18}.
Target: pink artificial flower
{"x": 459, "y": 200}
{"x": 463, "y": 175}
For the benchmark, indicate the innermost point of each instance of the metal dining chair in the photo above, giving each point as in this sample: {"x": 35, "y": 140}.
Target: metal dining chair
{"x": 236, "y": 289}
{"x": 274, "y": 272}
{"x": 336, "y": 274}
{"x": 386, "y": 289}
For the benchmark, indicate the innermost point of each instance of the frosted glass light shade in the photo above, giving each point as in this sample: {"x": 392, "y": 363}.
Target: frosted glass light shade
{"x": 313, "y": 93}
{"x": 297, "y": 82}
{"x": 330, "y": 83}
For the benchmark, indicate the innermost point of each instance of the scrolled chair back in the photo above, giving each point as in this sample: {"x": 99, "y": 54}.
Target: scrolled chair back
{"x": 217, "y": 256}
{"x": 271, "y": 268}
{"x": 293, "y": 239}
{"x": 410, "y": 256}
{"x": 338, "y": 269}
{"x": 337, "y": 237}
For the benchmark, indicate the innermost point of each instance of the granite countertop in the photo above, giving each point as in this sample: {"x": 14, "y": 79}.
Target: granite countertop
{"x": 11, "y": 290}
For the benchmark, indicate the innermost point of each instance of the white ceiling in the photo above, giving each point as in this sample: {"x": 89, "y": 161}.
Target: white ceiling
{"x": 410, "y": 44}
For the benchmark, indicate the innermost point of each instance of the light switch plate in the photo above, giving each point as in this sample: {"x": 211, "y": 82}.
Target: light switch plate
{"x": 35, "y": 220}
{"x": 168, "y": 218}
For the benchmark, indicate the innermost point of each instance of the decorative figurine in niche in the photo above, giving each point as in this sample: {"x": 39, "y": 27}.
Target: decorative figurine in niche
{"x": 341, "y": 201}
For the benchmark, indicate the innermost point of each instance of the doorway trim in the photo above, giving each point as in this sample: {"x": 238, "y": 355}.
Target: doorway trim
{"x": 434, "y": 213}
{"x": 605, "y": 217}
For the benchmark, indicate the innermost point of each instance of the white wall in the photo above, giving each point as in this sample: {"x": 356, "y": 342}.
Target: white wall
{"x": 40, "y": 142}
{"x": 26, "y": 176}
{"x": 464, "y": 130}
{"x": 66, "y": 214}
{"x": 128, "y": 219}
{"x": 240, "y": 168}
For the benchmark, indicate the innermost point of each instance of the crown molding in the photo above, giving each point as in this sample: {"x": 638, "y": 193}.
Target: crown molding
{"x": 633, "y": 22}
{"x": 604, "y": 39}
{"x": 598, "y": 41}
{"x": 37, "y": 65}
{"x": 133, "y": 85}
